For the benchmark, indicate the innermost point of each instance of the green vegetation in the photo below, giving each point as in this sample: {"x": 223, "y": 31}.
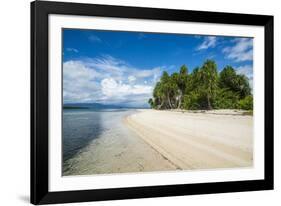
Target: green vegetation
{"x": 246, "y": 103}
{"x": 203, "y": 89}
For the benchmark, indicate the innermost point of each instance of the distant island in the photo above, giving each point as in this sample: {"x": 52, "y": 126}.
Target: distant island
{"x": 203, "y": 89}
{"x": 96, "y": 106}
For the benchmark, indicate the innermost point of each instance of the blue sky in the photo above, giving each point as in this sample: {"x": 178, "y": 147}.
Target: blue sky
{"x": 122, "y": 68}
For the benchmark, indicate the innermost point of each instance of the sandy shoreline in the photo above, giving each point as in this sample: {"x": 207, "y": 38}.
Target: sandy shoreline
{"x": 151, "y": 140}
{"x": 215, "y": 139}
{"x": 115, "y": 149}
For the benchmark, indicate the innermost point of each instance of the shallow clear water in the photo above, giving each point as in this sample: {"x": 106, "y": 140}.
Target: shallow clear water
{"x": 102, "y": 142}
{"x": 81, "y": 127}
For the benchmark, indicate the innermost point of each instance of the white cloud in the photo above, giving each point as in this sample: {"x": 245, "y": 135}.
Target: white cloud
{"x": 131, "y": 78}
{"x": 79, "y": 82}
{"x": 246, "y": 70}
{"x": 94, "y": 38}
{"x": 208, "y": 42}
{"x": 149, "y": 72}
{"x": 241, "y": 51}
{"x": 121, "y": 70}
{"x": 107, "y": 80}
{"x": 72, "y": 50}
{"x": 112, "y": 88}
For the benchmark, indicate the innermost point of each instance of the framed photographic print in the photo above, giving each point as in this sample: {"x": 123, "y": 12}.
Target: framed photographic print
{"x": 131, "y": 102}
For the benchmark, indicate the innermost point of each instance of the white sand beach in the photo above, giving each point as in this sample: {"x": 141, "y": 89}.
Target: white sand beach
{"x": 152, "y": 140}
{"x": 202, "y": 140}
{"x": 115, "y": 148}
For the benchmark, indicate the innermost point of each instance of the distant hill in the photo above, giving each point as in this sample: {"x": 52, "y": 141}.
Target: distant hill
{"x": 90, "y": 106}
{"x": 100, "y": 106}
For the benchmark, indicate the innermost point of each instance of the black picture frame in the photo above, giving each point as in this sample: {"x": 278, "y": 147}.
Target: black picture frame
{"x": 40, "y": 106}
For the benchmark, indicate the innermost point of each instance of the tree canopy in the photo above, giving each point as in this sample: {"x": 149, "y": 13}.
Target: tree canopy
{"x": 203, "y": 88}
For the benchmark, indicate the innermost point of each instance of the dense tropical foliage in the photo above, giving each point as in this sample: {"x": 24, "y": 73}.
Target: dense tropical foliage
{"x": 204, "y": 88}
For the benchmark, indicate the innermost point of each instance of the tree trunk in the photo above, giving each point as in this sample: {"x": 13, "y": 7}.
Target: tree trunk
{"x": 169, "y": 102}
{"x": 179, "y": 104}
{"x": 160, "y": 106}
{"x": 209, "y": 102}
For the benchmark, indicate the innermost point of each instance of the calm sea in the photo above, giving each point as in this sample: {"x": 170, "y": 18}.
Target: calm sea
{"x": 81, "y": 126}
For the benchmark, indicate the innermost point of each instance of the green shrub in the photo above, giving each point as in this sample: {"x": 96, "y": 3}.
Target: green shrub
{"x": 246, "y": 103}
{"x": 190, "y": 101}
{"x": 194, "y": 100}
{"x": 226, "y": 99}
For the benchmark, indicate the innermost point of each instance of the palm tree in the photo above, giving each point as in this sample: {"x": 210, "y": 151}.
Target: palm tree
{"x": 237, "y": 83}
{"x": 151, "y": 102}
{"x": 158, "y": 95}
{"x": 165, "y": 88}
{"x": 182, "y": 83}
{"x": 204, "y": 88}
{"x": 209, "y": 80}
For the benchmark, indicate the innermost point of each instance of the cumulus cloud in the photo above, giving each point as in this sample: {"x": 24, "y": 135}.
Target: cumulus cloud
{"x": 111, "y": 88}
{"x": 79, "y": 82}
{"x": 107, "y": 80}
{"x": 208, "y": 42}
{"x": 241, "y": 51}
